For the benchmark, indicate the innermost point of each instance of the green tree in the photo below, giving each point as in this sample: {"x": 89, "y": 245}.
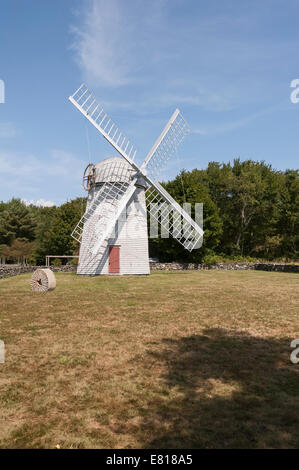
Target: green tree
{"x": 248, "y": 195}
{"x": 21, "y": 250}
{"x": 249, "y": 209}
{"x": 187, "y": 188}
{"x": 4, "y": 253}
{"x": 288, "y": 223}
{"x": 44, "y": 218}
{"x": 55, "y": 235}
{"x": 16, "y": 221}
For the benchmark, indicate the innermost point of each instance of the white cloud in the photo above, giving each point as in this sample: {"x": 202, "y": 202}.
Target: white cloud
{"x": 40, "y": 203}
{"x": 197, "y": 97}
{"x": 50, "y": 177}
{"x": 171, "y": 55}
{"x": 30, "y": 167}
{"x": 100, "y": 43}
{"x": 118, "y": 44}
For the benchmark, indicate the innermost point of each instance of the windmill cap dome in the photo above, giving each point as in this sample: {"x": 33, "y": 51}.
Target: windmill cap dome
{"x": 114, "y": 170}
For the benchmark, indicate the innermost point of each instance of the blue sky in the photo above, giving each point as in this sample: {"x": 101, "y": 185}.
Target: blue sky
{"x": 227, "y": 65}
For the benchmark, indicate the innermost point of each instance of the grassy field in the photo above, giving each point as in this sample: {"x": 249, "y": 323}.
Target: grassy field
{"x": 177, "y": 360}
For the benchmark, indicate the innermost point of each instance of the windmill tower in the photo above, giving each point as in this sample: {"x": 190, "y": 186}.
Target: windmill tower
{"x": 113, "y": 230}
{"x": 125, "y": 250}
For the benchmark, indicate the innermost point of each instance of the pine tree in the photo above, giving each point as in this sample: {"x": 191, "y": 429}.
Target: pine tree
{"x": 16, "y": 221}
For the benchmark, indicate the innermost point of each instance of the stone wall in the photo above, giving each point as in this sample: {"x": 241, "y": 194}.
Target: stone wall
{"x": 287, "y": 268}
{"x": 291, "y": 268}
{"x": 195, "y": 266}
{"x": 7, "y": 270}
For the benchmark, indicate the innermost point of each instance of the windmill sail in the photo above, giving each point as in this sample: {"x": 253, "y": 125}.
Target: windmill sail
{"x": 85, "y": 101}
{"x": 109, "y": 215}
{"x": 111, "y": 198}
{"x": 110, "y": 201}
{"x": 162, "y": 207}
{"x": 171, "y": 137}
{"x": 173, "y": 218}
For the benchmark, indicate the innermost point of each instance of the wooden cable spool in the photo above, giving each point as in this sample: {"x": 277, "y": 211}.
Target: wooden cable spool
{"x": 43, "y": 280}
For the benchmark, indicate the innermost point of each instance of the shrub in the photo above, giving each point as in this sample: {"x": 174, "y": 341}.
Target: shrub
{"x": 56, "y": 262}
{"x": 212, "y": 259}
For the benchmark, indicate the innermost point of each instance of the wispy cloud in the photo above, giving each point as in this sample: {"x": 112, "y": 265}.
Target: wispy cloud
{"x": 29, "y": 167}
{"x": 100, "y": 43}
{"x": 200, "y": 98}
{"x": 236, "y": 124}
{"x": 226, "y": 65}
{"x": 51, "y": 175}
{"x": 118, "y": 46}
{"x": 7, "y": 130}
{"x": 161, "y": 54}
{"x": 115, "y": 42}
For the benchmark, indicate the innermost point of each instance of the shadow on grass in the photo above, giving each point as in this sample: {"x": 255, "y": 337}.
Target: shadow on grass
{"x": 223, "y": 389}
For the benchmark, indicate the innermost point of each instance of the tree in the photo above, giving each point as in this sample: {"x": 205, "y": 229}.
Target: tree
{"x": 248, "y": 196}
{"x": 288, "y": 223}
{"x": 187, "y": 187}
{"x": 19, "y": 251}
{"x": 55, "y": 234}
{"x": 249, "y": 209}
{"x": 4, "y": 253}
{"x": 44, "y": 218}
{"x": 16, "y": 222}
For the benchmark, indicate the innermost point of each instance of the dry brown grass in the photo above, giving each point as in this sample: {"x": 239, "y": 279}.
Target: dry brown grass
{"x": 186, "y": 359}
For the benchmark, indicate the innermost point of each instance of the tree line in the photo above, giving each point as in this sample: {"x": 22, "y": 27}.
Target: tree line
{"x": 250, "y": 211}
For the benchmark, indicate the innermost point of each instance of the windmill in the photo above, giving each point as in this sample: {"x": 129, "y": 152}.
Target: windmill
{"x": 113, "y": 230}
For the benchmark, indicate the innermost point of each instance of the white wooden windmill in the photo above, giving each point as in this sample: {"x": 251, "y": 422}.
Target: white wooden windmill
{"x": 113, "y": 230}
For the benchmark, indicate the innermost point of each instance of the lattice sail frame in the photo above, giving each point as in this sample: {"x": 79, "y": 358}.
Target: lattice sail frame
{"x": 87, "y": 103}
{"x": 116, "y": 196}
{"x": 174, "y": 219}
{"x": 167, "y": 143}
{"x": 108, "y": 204}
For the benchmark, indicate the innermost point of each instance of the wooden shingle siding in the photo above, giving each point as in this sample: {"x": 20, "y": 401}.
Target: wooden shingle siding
{"x": 130, "y": 236}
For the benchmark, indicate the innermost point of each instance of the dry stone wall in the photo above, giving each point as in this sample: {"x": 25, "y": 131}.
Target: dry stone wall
{"x": 195, "y": 266}
{"x": 7, "y": 270}
{"x": 226, "y": 266}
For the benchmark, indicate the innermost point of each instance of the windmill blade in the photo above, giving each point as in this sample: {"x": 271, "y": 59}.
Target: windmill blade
{"x": 170, "y": 138}
{"x": 108, "y": 216}
{"x": 86, "y": 102}
{"x": 112, "y": 198}
{"x": 108, "y": 205}
{"x": 108, "y": 213}
{"x": 173, "y": 218}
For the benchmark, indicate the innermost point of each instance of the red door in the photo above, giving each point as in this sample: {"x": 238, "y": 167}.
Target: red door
{"x": 113, "y": 259}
